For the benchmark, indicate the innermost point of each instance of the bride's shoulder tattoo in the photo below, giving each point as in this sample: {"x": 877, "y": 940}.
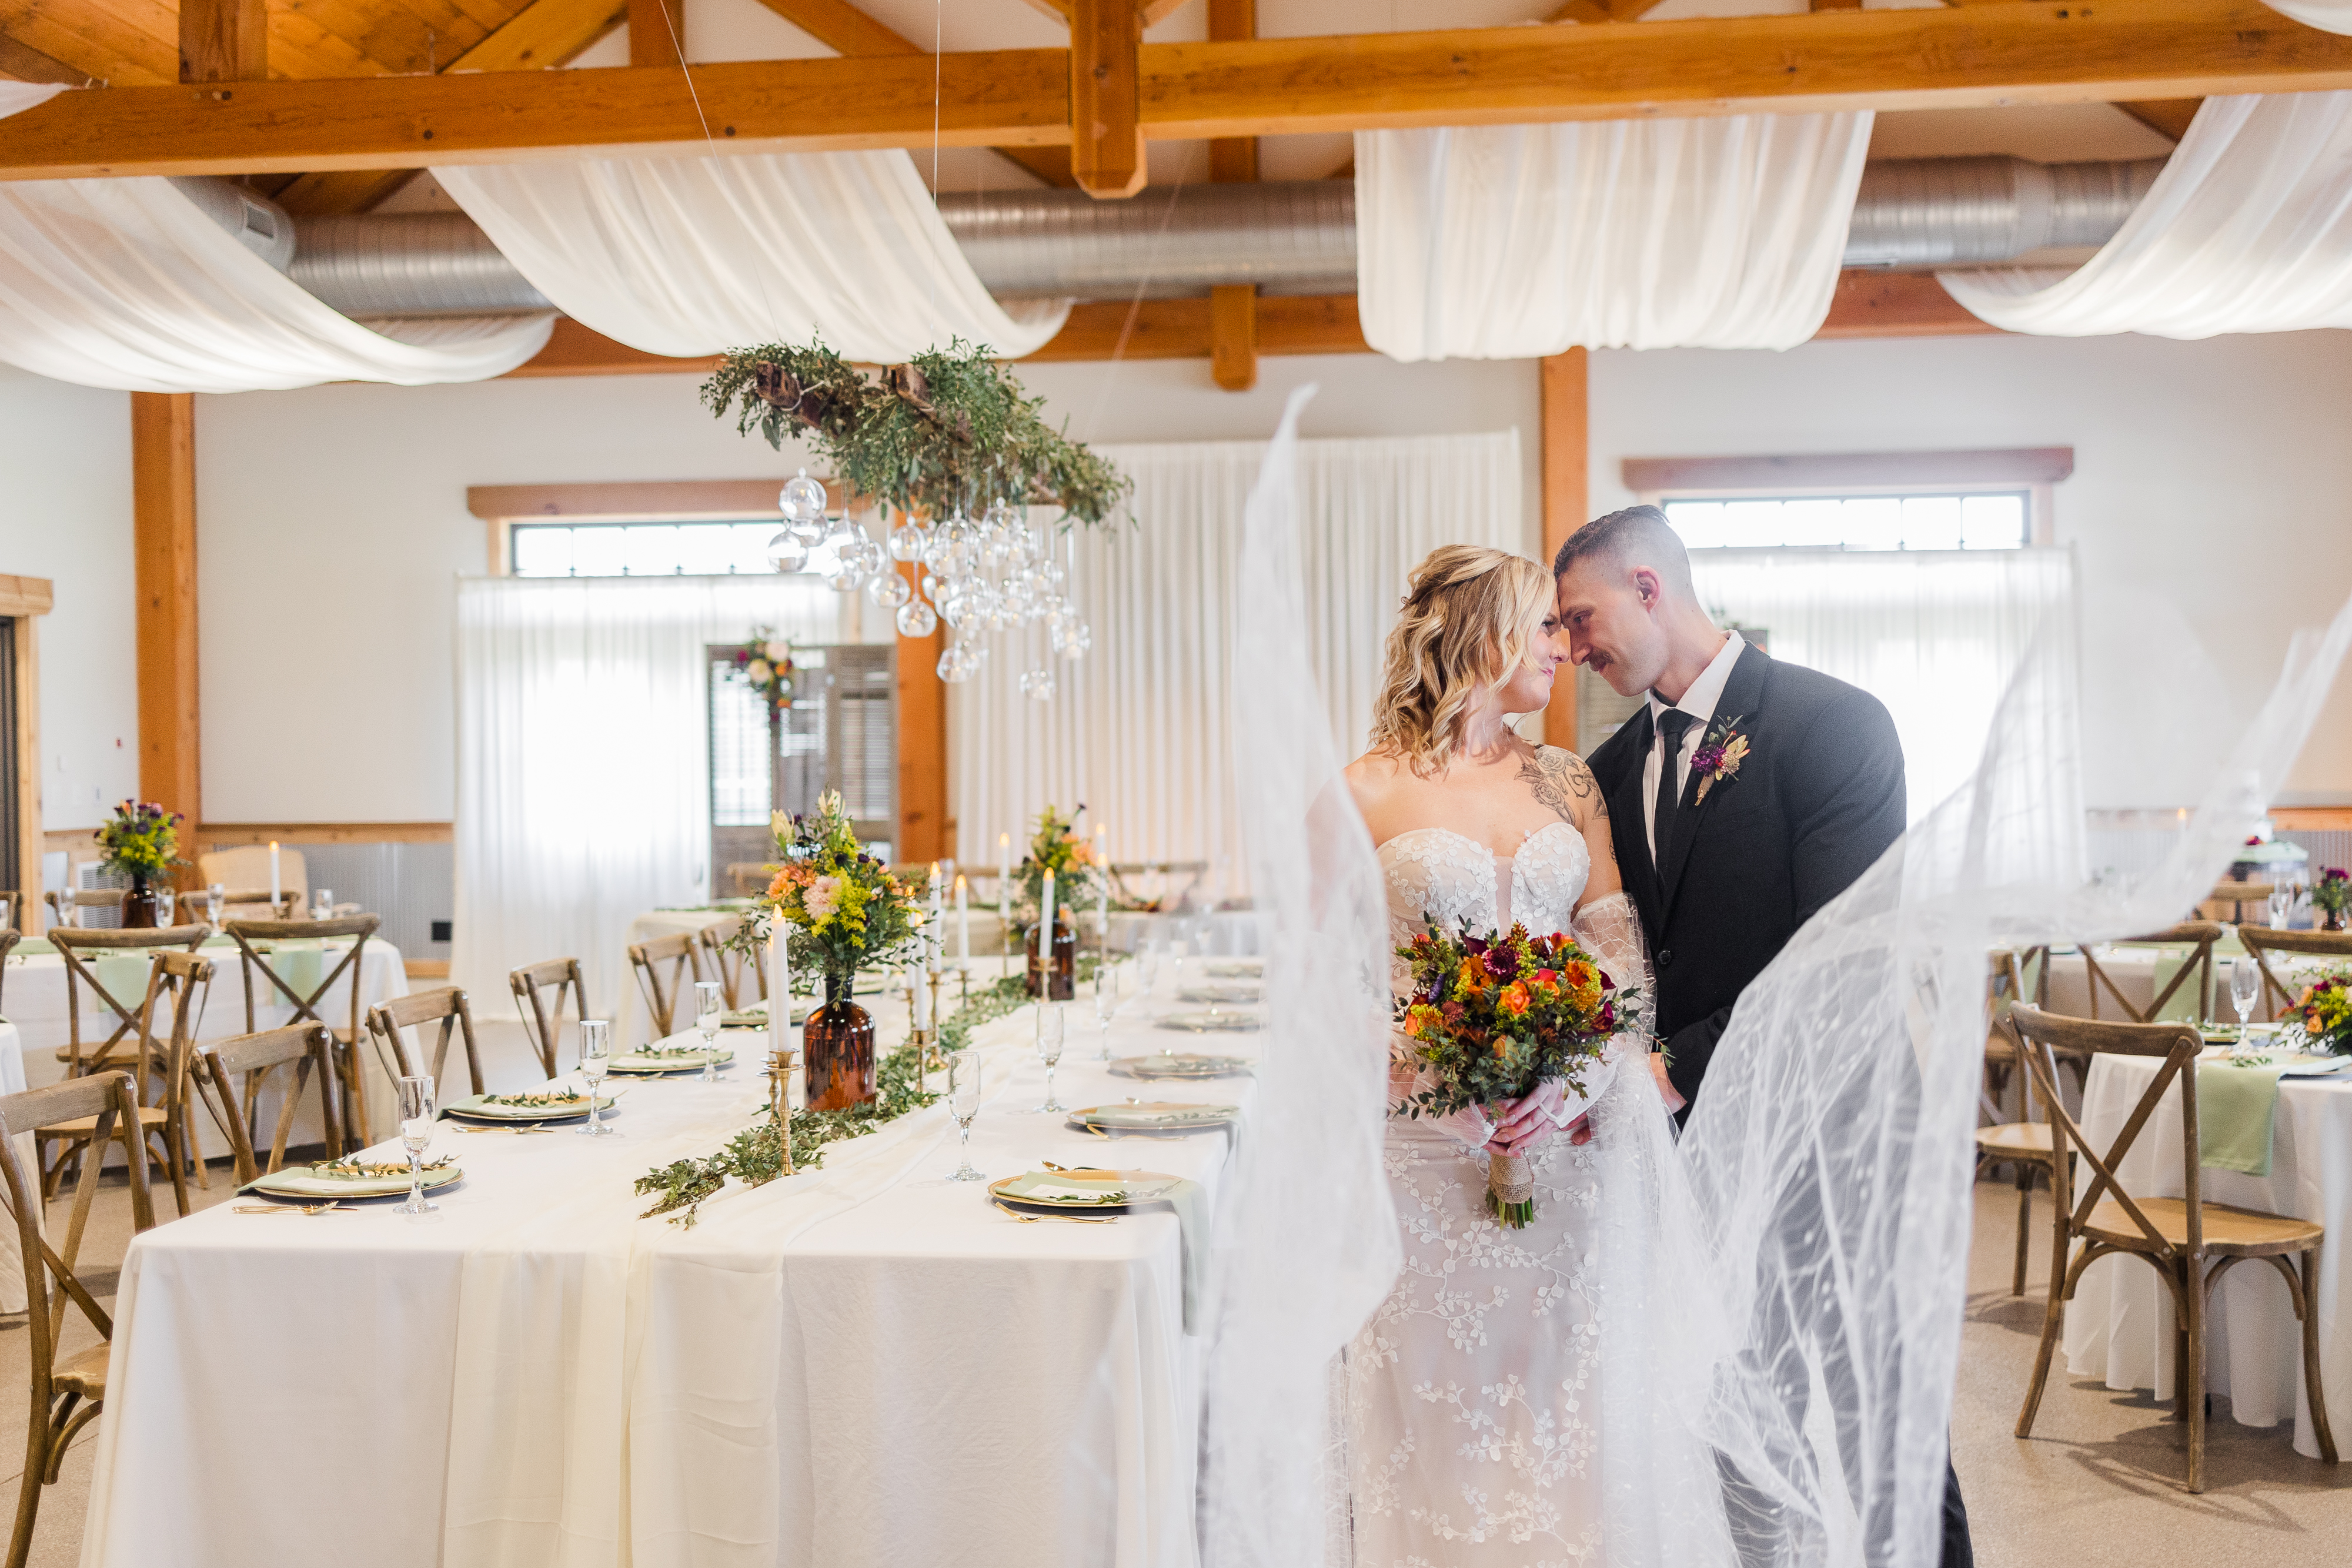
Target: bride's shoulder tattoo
{"x": 1560, "y": 780}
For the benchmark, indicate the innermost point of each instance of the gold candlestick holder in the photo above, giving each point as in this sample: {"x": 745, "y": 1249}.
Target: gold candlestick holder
{"x": 931, "y": 1057}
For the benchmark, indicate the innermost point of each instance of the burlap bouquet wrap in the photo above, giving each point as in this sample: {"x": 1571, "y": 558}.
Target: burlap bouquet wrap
{"x": 1512, "y": 1180}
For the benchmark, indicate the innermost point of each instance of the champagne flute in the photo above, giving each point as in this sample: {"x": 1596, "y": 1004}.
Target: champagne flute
{"x": 2245, "y": 983}
{"x": 416, "y": 1136}
{"x": 216, "y": 900}
{"x": 706, "y": 1020}
{"x": 1106, "y": 1004}
{"x": 595, "y": 1055}
{"x": 2282, "y": 903}
{"x": 1052, "y": 1027}
{"x": 963, "y": 1105}
{"x": 322, "y": 903}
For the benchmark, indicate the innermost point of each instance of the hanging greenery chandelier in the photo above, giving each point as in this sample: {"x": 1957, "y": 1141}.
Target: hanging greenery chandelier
{"x": 950, "y": 443}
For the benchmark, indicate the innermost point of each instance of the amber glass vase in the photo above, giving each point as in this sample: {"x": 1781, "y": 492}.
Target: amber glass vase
{"x": 1066, "y": 960}
{"x": 141, "y": 908}
{"x": 837, "y": 1050}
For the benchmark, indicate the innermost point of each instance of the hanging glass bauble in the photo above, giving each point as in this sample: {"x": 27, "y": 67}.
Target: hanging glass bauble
{"x": 846, "y": 579}
{"x": 1076, "y": 642}
{"x": 1051, "y": 574}
{"x": 1037, "y": 685}
{"x": 811, "y": 531}
{"x": 786, "y": 552}
{"x": 959, "y": 663}
{"x": 890, "y": 590}
{"x": 916, "y": 619}
{"x": 907, "y": 541}
{"x": 802, "y": 498}
{"x": 1019, "y": 596}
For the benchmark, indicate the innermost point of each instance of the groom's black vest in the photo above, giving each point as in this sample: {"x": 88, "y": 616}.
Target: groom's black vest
{"x": 1817, "y": 799}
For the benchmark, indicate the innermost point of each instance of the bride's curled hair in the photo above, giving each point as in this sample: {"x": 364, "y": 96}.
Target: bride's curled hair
{"x": 1468, "y": 619}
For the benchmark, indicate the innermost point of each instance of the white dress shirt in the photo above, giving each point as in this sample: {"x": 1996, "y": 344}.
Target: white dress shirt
{"x": 1700, "y": 703}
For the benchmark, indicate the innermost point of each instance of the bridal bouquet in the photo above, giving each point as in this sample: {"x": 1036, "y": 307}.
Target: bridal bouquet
{"x": 1490, "y": 1019}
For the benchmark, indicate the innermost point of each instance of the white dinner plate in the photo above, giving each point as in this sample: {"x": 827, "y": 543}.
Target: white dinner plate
{"x": 479, "y": 1108}
{"x": 303, "y": 1182}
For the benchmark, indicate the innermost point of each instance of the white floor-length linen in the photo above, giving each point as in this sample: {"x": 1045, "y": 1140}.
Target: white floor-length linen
{"x": 1510, "y": 242}
{"x": 1138, "y": 729}
{"x": 583, "y": 792}
{"x": 689, "y": 257}
{"x": 126, "y": 284}
{"x": 2248, "y": 229}
{"x": 1934, "y": 634}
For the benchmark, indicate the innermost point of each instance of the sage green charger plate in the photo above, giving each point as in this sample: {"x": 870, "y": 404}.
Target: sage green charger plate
{"x": 304, "y": 1182}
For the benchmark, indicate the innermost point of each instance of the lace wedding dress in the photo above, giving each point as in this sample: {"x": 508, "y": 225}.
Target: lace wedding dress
{"x": 1476, "y": 1425}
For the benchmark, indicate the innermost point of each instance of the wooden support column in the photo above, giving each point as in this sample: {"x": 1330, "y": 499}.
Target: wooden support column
{"x": 23, "y": 599}
{"x": 163, "y": 574}
{"x": 1233, "y": 160}
{"x": 924, "y": 831}
{"x": 224, "y": 40}
{"x": 1233, "y": 336}
{"x": 657, "y": 31}
{"x": 1566, "y": 500}
{"x": 1105, "y": 116}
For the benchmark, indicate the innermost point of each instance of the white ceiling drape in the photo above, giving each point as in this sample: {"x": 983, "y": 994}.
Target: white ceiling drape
{"x": 2328, "y": 15}
{"x": 126, "y": 284}
{"x": 15, "y": 97}
{"x": 1138, "y": 729}
{"x": 2248, "y": 229}
{"x": 690, "y": 257}
{"x": 1516, "y": 241}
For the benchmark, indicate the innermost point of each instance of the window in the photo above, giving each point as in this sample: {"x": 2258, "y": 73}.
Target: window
{"x": 841, "y": 733}
{"x": 1994, "y": 520}
{"x": 649, "y": 549}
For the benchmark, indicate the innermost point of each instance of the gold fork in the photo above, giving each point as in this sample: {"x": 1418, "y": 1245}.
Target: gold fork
{"x": 333, "y": 1207}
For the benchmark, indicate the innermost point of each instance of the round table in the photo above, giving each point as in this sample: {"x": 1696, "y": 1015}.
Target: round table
{"x": 12, "y": 1256}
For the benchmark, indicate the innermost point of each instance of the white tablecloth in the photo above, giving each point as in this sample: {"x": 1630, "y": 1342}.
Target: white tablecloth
{"x": 12, "y": 1256}
{"x": 2119, "y": 1326}
{"x": 861, "y": 1365}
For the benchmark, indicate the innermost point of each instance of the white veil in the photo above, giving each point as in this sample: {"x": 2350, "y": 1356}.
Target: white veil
{"x": 1798, "y": 1309}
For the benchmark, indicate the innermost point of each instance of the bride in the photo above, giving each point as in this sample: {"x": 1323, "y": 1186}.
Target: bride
{"x": 1476, "y": 1427}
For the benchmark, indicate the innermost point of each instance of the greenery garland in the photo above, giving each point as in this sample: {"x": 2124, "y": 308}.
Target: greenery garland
{"x": 755, "y": 1156}
{"x": 945, "y": 433}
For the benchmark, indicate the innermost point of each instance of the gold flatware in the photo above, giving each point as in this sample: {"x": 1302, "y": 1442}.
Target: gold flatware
{"x": 334, "y": 1208}
{"x": 1049, "y": 1219}
{"x": 518, "y": 1132}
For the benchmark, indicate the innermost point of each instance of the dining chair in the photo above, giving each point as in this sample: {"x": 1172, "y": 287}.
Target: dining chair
{"x": 681, "y": 953}
{"x": 445, "y": 1006}
{"x": 255, "y": 904}
{"x": 68, "y": 1389}
{"x": 176, "y": 979}
{"x": 749, "y": 878}
{"x": 80, "y": 951}
{"x": 227, "y": 1076}
{"x": 2010, "y": 975}
{"x": 244, "y": 870}
{"x": 12, "y": 910}
{"x": 2262, "y": 941}
{"x": 539, "y": 991}
{"x": 2175, "y": 1236}
{"x": 8, "y": 940}
{"x": 352, "y": 1098}
{"x": 739, "y": 978}
{"x": 2200, "y": 934}
{"x": 66, "y": 904}
{"x": 2023, "y": 1145}
{"x": 2231, "y": 900}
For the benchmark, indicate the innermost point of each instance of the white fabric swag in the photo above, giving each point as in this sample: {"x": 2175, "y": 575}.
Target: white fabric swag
{"x": 1138, "y": 730}
{"x": 1512, "y": 241}
{"x": 689, "y": 256}
{"x": 2328, "y": 15}
{"x": 126, "y": 284}
{"x": 2248, "y": 229}
{"x": 584, "y": 787}
{"x": 1934, "y": 634}
{"x": 15, "y": 97}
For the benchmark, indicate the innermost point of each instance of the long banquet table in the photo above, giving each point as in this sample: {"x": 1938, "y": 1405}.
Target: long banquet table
{"x": 859, "y": 1364}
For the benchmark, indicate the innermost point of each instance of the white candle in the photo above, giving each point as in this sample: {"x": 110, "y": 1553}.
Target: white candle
{"x": 935, "y": 940}
{"x": 1102, "y": 888}
{"x": 963, "y": 924}
{"x": 1045, "y": 940}
{"x": 780, "y": 990}
{"x": 275, "y": 888}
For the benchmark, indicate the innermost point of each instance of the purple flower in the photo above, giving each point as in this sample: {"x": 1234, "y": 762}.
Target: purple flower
{"x": 1706, "y": 758}
{"x": 1501, "y": 962}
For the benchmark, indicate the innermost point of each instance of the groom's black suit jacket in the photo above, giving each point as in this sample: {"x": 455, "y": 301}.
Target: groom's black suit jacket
{"x": 1818, "y": 798}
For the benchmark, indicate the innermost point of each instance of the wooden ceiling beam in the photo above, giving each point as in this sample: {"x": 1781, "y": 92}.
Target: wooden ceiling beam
{"x": 1106, "y": 123}
{"x": 657, "y": 33}
{"x": 1233, "y": 160}
{"x": 2167, "y": 117}
{"x": 22, "y": 62}
{"x": 2019, "y": 52}
{"x": 224, "y": 40}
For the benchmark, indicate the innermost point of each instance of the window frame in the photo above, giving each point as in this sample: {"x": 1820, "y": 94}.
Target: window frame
{"x": 2034, "y": 470}
{"x": 2038, "y": 503}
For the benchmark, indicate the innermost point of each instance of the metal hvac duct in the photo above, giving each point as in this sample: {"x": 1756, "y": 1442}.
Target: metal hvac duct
{"x": 1288, "y": 238}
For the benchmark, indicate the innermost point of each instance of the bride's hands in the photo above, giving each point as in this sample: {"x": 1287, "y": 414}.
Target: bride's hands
{"x": 1524, "y": 1124}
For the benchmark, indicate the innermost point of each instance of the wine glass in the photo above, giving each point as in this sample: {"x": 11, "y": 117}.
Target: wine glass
{"x": 2282, "y": 903}
{"x": 705, "y": 1020}
{"x": 963, "y": 1105}
{"x": 1106, "y": 1004}
{"x": 415, "y": 1135}
{"x": 595, "y": 1055}
{"x": 216, "y": 900}
{"x": 2245, "y": 983}
{"x": 322, "y": 903}
{"x": 1052, "y": 1029}
{"x": 166, "y": 904}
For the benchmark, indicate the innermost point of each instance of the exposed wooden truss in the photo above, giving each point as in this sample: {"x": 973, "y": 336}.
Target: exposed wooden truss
{"x": 2019, "y": 52}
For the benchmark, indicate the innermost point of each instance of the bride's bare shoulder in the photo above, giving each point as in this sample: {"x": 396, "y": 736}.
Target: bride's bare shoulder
{"x": 1560, "y": 782}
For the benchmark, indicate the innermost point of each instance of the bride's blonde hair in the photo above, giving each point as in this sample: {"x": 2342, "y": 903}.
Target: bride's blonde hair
{"x": 1468, "y": 617}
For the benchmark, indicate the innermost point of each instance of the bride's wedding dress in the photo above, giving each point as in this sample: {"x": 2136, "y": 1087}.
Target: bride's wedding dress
{"x": 1478, "y": 1431}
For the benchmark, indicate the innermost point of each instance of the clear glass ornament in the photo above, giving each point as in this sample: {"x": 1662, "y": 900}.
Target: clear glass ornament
{"x": 1050, "y": 573}
{"x": 907, "y": 541}
{"x": 1076, "y": 642}
{"x": 916, "y": 619}
{"x": 890, "y": 590}
{"x": 786, "y": 552}
{"x": 802, "y": 498}
{"x": 958, "y": 663}
{"x": 1037, "y": 685}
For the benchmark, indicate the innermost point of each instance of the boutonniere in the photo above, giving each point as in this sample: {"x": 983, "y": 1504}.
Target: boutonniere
{"x": 1720, "y": 752}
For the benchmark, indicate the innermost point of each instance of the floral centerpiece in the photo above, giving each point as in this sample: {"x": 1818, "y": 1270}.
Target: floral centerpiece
{"x": 1490, "y": 1019}
{"x": 143, "y": 840}
{"x": 1056, "y": 846}
{"x": 2331, "y": 894}
{"x": 766, "y": 663}
{"x": 2324, "y": 1009}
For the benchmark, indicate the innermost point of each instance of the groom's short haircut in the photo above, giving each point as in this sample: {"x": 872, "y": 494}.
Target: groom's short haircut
{"x": 1637, "y": 536}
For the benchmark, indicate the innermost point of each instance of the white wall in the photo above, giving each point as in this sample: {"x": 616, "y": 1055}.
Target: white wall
{"x": 65, "y": 513}
{"x": 2211, "y": 497}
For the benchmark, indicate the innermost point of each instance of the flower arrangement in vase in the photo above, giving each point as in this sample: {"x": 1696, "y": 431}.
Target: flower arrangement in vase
{"x": 766, "y": 663}
{"x": 846, "y": 912}
{"x": 1056, "y": 847}
{"x": 143, "y": 840}
{"x": 2324, "y": 1012}
{"x": 2330, "y": 895}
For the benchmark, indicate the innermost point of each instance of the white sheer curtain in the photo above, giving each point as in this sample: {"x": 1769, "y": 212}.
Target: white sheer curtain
{"x": 583, "y": 757}
{"x": 1138, "y": 729}
{"x": 1934, "y": 634}
{"x": 1509, "y": 242}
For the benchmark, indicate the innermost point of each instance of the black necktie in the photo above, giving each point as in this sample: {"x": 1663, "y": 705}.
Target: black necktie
{"x": 1672, "y": 725}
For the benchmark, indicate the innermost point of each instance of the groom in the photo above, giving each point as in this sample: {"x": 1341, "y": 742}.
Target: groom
{"x": 1744, "y": 796}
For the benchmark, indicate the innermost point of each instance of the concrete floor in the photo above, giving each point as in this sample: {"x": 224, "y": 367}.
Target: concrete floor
{"x": 2098, "y": 1483}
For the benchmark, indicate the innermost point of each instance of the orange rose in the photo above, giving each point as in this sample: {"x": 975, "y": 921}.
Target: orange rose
{"x": 1514, "y": 1002}
{"x": 1546, "y": 977}
{"x": 1578, "y": 975}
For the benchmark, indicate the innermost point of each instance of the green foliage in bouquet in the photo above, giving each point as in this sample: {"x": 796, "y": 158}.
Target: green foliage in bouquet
{"x": 846, "y": 911}
{"x": 2324, "y": 1013}
{"x": 946, "y": 432}
{"x": 1055, "y": 846}
{"x": 141, "y": 837}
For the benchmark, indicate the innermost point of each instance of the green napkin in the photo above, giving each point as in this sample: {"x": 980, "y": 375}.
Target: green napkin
{"x": 2235, "y": 1109}
{"x": 2184, "y": 1005}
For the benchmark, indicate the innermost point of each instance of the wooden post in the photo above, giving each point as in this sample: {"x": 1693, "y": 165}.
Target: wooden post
{"x": 1566, "y": 500}
{"x": 164, "y": 573}
{"x": 922, "y": 741}
{"x": 657, "y": 32}
{"x": 224, "y": 40}
{"x": 23, "y": 600}
{"x": 1106, "y": 121}
{"x": 1233, "y": 160}
{"x": 1232, "y": 335}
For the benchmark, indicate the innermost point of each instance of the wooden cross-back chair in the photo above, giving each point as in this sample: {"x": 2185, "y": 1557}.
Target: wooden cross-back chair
{"x": 2006, "y": 970}
{"x": 66, "y": 904}
{"x": 12, "y": 917}
{"x": 78, "y": 949}
{"x": 2262, "y": 942}
{"x": 252, "y": 960}
{"x": 174, "y": 980}
{"x": 539, "y": 991}
{"x": 445, "y": 1006}
{"x": 2199, "y": 934}
{"x": 67, "y": 1389}
{"x": 749, "y": 878}
{"x": 227, "y": 1076}
{"x": 2175, "y": 1236}
{"x": 740, "y": 979}
{"x": 665, "y": 968}
{"x": 2025, "y": 1144}
{"x": 2231, "y": 900}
